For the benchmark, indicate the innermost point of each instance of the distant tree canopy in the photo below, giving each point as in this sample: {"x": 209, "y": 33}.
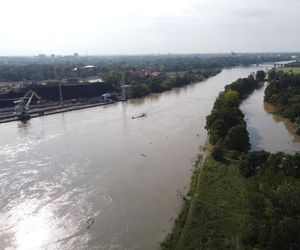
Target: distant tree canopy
{"x": 139, "y": 90}
{"x": 39, "y": 72}
{"x": 156, "y": 84}
{"x": 33, "y": 69}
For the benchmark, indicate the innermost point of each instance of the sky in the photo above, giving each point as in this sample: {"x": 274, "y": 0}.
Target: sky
{"x": 105, "y": 27}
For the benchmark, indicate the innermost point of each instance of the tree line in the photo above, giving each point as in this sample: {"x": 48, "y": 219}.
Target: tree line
{"x": 271, "y": 201}
{"x": 140, "y": 86}
{"x": 163, "y": 83}
{"x": 40, "y": 72}
{"x": 226, "y": 125}
{"x": 284, "y": 93}
{"x": 28, "y": 70}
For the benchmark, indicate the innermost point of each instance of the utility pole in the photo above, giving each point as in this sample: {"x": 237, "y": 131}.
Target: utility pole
{"x": 60, "y": 81}
{"x": 60, "y": 92}
{"x": 149, "y": 72}
{"x": 123, "y": 96}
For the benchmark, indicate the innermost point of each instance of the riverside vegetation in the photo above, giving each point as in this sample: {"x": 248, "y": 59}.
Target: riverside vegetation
{"x": 140, "y": 87}
{"x": 33, "y": 69}
{"x": 284, "y": 93}
{"x": 240, "y": 199}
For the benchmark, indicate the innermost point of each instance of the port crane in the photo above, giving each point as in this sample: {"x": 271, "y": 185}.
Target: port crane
{"x": 22, "y": 106}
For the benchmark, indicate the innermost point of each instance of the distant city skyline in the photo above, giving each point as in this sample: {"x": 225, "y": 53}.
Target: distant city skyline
{"x": 132, "y": 27}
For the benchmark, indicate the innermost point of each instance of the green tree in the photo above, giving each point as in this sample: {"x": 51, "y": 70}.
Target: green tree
{"x": 260, "y": 75}
{"x": 139, "y": 90}
{"x": 251, "y": 162}
{"x": 232, "y": 98}
{"x": 272, "y": 74}
{"x": 237, "y": 138}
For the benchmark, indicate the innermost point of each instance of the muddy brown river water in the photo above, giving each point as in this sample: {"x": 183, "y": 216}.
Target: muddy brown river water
{"x": 60, "y": 171}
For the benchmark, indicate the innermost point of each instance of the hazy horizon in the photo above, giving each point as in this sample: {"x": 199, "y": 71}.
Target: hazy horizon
{"x": 136, "y": 27}
{"x": 153, "y": 54}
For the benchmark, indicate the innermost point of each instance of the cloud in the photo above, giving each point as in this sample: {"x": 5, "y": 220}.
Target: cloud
{"x": 118, "y": 26}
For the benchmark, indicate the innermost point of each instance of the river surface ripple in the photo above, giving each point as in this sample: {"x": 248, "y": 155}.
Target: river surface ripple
{"x": 59, "y": 171}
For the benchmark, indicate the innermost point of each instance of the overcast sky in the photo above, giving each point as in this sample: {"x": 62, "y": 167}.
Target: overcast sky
{"x": 30, "y": 27}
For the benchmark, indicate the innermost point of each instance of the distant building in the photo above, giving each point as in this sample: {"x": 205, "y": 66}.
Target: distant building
{"x": 42, "y": 58}
{"x": 144, "y": 73}
{"x": 89, "y": 66}
{"x": 156, "y": 74}
{"x": 52, "y": 56}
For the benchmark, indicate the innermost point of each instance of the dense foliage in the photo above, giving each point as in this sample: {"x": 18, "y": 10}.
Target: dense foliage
{"x": 19, "y": 69}
{"x": 38, "y": 72}
{"x": 140, "y": 86}
{"x": 284, "y": 93}
{"x": 226, "y": 125}
{"x": 272, "y": 201}
{"x": 260, "y": 75}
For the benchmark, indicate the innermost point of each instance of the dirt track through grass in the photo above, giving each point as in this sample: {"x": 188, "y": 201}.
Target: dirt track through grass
{"x": 215, "y": 213}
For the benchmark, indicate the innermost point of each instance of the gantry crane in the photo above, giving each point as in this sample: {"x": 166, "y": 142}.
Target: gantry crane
{"x": 22, "y": 106}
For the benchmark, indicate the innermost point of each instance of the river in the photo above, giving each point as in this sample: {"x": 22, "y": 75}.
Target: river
{"x": 60, "y": 171}
{"x": 267, "y": 131}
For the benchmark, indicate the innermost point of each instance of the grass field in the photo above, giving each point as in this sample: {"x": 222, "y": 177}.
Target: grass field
{"x": 215, "y": 215}
{"x": 295, "y": 70}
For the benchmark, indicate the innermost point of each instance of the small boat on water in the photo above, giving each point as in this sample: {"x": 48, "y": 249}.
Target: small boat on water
{"x": 139, "y": 116}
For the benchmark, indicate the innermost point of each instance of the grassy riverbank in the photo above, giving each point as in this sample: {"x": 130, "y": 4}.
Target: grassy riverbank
{"x": 213, "y": 218}
{"x": 172, "y": 238}
{"x": 250, "y": 203}
{"x": 290, "y": 126}
{"x": 216, "y": 210}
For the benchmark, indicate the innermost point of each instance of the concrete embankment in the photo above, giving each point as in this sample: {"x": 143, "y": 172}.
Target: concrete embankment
{"x": 52, "y": 110}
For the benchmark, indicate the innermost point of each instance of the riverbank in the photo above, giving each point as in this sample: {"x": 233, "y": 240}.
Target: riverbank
{"x": 210, "y": 220}
{"x": 283, "y": 92}
{"x": 158, "y": 87}
{"x": 275, "y": 112}
{"x": 173, "y": 238}
{"x": 215, "y": 211}
{"x": 53, "y": 110}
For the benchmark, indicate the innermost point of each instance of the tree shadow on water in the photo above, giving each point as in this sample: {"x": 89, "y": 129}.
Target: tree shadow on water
{"x": 255, "y": 138}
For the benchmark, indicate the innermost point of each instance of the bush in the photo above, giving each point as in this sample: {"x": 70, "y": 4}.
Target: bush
{"x": 237, "y": 138}
{"x": 250, "y": 163}
{"x": 217, "y": 153}
{"x": 139, "y": 90}
{"x": 260, "y": 75}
